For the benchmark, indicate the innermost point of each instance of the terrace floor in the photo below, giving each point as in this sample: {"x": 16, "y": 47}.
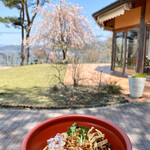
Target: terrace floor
{"x": 91, "y": 73}
{"x": 133, "y": 118}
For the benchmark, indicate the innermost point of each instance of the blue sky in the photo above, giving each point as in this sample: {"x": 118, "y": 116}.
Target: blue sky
{"x": 13, "y": 36}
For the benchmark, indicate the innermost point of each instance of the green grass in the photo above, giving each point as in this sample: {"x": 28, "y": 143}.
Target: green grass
{"x": 28, "y": 85}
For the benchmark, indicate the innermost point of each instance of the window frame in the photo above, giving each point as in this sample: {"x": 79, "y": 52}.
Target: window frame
{"x": 125, "y": 47}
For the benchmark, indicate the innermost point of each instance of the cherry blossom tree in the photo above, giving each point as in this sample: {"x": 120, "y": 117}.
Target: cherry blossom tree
{"x": 62, "y": 26}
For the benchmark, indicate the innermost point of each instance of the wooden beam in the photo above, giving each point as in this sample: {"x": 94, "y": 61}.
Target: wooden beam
{"x": 127, "y": 28}
{"x": 141, "y": 42}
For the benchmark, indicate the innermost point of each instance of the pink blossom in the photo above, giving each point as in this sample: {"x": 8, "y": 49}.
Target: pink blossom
{"x": 62, "y": 25}
{"x": 51, "y": 57}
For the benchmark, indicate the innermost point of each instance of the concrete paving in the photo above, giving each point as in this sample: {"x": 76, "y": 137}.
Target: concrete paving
{"x": 91, "y": 75}
{"x": 133, "y": 118}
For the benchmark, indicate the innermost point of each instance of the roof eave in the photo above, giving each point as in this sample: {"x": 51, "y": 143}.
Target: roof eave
{"x": 110, "y": 7}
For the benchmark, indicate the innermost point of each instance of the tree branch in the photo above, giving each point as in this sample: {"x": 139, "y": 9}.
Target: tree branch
{"x": 33, "y": 17}
{"x": 22, "y": 17}
{"x": 27, "y": 12}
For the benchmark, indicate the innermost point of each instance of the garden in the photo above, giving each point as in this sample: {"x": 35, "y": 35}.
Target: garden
{"x": 42, "y": 86}
{"x": 59, "y": 87}
{"x": 56, "y": 40}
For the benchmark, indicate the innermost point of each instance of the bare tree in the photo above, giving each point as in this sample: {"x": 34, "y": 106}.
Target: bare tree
{"x": 57, "y": 73}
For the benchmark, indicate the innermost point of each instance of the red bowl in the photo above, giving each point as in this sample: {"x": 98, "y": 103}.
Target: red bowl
{"x": 37, "y": 138}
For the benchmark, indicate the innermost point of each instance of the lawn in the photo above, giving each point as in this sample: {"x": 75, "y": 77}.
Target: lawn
{"x": 28, "y": 84}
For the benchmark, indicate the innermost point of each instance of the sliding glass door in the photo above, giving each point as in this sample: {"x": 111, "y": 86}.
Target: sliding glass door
{"x": 131, "y": 51}
{"x": 119, "y": 52}
{"x": 126, "y": 51}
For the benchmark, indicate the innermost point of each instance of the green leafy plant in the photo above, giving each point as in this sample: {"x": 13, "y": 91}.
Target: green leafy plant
{"x": 82, "y": 132}
{"x": 138, "y": 75}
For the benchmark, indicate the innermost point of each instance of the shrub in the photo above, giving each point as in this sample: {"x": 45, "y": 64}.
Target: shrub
{"x": 41, "y": 55}
{"x": 55, "y": 88}
{"x": 112, "y": 87}
{"x": 138, "y": 75}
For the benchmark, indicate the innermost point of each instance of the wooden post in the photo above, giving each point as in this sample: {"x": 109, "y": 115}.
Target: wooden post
{"x": 113, "y": 55}
{"x": 124, "y": 53}
{"x": 141, "y": 42}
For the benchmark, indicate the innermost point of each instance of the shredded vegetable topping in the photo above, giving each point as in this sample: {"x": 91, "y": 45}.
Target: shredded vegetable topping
{"x": 79, "y": 138}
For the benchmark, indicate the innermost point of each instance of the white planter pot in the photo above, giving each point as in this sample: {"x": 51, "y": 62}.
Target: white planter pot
{"x": 136, "y": 86}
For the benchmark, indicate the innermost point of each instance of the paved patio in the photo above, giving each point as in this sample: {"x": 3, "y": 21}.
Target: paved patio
{"x": 133, "y": 118}
{"x": 91, "y": 73}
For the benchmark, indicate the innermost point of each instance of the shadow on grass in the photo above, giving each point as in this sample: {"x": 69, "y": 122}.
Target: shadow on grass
{"x": 80, "y": 96}
{"x": 29, "y": 96}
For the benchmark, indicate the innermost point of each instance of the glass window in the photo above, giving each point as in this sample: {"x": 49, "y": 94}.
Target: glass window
{"x": 147, "y": 55}
{"x": 131, "y": 53}
{"x": 119, "y": 52}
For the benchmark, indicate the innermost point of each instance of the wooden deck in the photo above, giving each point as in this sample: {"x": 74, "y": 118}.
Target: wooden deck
{"x": 91, "y": 75}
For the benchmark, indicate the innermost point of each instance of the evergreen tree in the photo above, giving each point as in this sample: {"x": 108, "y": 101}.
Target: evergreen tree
{"x": 16, "y": 21}
{"x": 25, "y": 21}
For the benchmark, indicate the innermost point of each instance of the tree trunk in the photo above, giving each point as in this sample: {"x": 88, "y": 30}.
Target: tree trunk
{"x": 75, "y": 83}
{"x": 22, "y": 43}
{"x": 64, "y": 54}
{"x": 27, "y": 53}
{"x": 28, "y": 29}
{"x": 22, "y": 48}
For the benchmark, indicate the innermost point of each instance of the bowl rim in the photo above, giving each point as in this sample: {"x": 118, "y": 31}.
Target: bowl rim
{"x": 40, "y": 125}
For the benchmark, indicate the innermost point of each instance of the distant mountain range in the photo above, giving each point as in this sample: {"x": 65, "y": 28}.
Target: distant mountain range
{"x": 10, "y": 47}
{"x": 17, "y": 48}
{"x": 2, "y": 45}
{"x": 13, "y": 47}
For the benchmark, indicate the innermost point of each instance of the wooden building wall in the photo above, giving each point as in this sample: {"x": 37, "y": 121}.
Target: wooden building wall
{"x": 130, "y": 18}
{"x": 147, "y": 13}
{"x": 138, "y": 17}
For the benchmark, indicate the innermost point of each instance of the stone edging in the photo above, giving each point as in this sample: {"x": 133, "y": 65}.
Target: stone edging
{"x": 51, "y": 107}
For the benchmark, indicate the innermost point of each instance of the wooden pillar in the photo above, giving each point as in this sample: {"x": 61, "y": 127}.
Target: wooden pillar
{"x": 141, "y": 42}
{"x": 113, "y": 55}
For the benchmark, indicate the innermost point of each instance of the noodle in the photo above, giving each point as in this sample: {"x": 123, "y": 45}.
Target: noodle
{"x": 79, "y": 138}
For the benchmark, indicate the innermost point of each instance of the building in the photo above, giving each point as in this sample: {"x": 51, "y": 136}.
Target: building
{"x": 129, "y": 20}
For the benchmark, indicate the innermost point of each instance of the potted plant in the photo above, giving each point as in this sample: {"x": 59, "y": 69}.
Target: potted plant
{"x": 136, "y": 84}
